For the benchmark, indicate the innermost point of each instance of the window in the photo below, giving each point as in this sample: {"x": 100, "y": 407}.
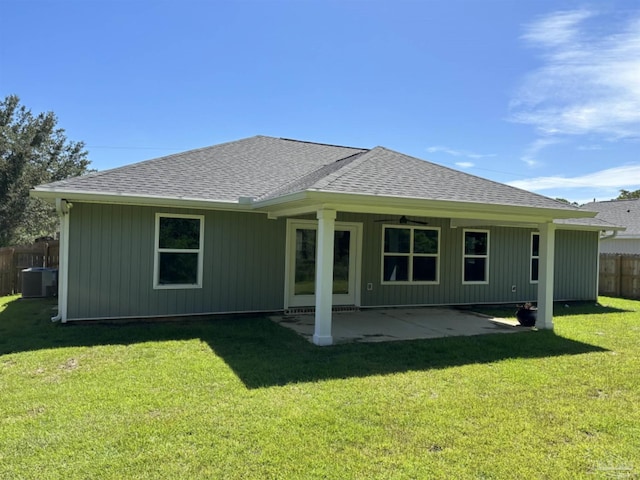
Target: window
{"x": 410, "y": 254}
{"x": 475, "y": 256}
{"x": 535, "y": 257}
{"x": 178, "y": 251}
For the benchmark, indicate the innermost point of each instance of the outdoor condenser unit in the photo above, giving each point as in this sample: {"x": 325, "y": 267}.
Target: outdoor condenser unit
{"x": 39, "y": 282}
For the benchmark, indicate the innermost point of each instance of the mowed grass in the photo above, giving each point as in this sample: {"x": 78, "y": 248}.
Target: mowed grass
{"x": 245, "y": 398}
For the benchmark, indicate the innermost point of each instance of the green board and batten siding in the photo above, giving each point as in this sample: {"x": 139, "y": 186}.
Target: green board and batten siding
{"x": 111, "y": 264}
{"x": 576, "y": 272}
{"x": 112, "y": 248}
{"x": 509, "y": 264}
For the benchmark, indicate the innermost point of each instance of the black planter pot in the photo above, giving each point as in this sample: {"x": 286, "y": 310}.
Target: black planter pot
{"x": 527, "y": 316}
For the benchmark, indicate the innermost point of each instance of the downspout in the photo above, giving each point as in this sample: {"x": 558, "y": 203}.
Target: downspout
{"x": 63, "y": 207}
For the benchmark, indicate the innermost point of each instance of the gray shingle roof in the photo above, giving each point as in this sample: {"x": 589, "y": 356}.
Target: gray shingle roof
{"x": 384, "y": 172}
{"x": 625, "y": 213}
{"x": 245, "y": 168}
{"x": 266, "y": 167}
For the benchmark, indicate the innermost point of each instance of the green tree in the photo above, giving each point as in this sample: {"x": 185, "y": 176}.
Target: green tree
{"x": 627, "y": 195}
{"x": 564, "y": 200}
{"x": 32, "y": 151}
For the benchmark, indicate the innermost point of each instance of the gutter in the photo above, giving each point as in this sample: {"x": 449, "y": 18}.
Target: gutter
{"x": 610, "y": 236}
{"x": 63, "y": 207}
{"x": 142, "y": 200}
{"x": 369, "y": 203}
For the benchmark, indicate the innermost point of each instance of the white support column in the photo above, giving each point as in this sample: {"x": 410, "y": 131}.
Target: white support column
{"x": 324, "y": 277}
{"x": 545, "y": 275}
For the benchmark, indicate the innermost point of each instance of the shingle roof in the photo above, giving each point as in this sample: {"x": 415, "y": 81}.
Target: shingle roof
{"x": 625, "y": 213}
{"x": 245, "y": 168}
{"x": 266, "y": 167}
{"x": 384, "y": 172}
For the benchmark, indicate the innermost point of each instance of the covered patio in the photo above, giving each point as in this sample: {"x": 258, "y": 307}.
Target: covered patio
{"x": 395, "y": 324}
{"x": 325, "y": 329}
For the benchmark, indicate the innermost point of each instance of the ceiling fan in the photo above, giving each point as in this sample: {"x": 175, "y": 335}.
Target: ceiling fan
{"x": 403, "y": 220}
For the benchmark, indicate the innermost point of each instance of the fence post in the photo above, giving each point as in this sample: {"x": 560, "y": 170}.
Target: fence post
{"x": 6, "y": 270}
{"x": 13, "y": 271}
{"x": 618, "y": 277}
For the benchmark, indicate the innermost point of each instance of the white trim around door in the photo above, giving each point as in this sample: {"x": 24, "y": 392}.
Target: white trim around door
{"x": 301, "y": 249}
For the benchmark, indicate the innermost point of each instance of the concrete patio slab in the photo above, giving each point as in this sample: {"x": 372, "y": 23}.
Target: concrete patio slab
{"x": 393, "y": 324}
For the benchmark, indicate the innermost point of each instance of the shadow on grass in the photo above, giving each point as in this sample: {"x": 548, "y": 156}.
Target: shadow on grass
{"x": 263, "y": 354}
{"x": 560, "y": 309}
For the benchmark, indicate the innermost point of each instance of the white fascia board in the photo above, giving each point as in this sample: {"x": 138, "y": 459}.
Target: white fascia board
{"x": 594, "y": 228}
{"x": 462, "y": 222}
{"x": 622, "y": 236}
{"x": 375, "y": 204}
{"x": 455, "y": 209}
{"x": 289, "y": 205}
{"x": 282, "y": 200}
{"x": 144, "y": 200}
{"x": 472, "y": 223}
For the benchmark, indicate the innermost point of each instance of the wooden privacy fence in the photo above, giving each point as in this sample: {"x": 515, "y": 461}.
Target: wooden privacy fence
{"x": 15, "y": 259}
{"x": 620, "y": 275}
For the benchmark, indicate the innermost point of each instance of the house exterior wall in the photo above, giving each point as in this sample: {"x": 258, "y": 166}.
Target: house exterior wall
{"x": 629, "y": 246}
{"x": 112, "y": 258}
{"x": 576, "y": 269}
{"x": 576, "y": 265}
{"x": 111, "y": 264}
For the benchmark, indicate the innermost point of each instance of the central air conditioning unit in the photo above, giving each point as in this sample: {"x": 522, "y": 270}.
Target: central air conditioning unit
{"x": 39, "y": 282}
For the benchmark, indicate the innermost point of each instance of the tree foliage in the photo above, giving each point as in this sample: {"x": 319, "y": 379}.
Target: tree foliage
{"x": 564, "y": 200}
{"x": 627, "y": 195}
{"x": 33, "y": 150}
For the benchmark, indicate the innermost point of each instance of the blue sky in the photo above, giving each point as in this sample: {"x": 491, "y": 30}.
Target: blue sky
{"x": 544, "y": 95}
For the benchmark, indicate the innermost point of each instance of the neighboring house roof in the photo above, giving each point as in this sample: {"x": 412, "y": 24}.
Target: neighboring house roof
{"x": 619, "y": 212}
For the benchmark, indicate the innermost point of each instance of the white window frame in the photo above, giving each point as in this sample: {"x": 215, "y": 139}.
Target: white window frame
{"x": 411, "y": 255}
{"x": 465, "y": 256}
{"x": 533, "y": 257}
{"x": 157, "y": 251}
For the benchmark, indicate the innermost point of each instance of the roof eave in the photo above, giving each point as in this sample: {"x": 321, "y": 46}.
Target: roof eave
{"x": 51, "y": 195}
{"x": 627, "y": 237}
{"x": 365, "y": 203}
{"x": 584, "y": 226}
{"x": 311, "y": 200}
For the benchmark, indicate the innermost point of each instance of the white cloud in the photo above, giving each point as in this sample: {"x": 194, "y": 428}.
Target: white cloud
{"x": 465, "y": 164}
{"x": 590, "y": 79}
{"x": 586, "y": 148}
{"x": 556, "y": 29}
{"x": 442, "y": 149}
{"x": 458, "y": 153}
{"x": 529, "y": 156}
{"x": 612, "y": 178}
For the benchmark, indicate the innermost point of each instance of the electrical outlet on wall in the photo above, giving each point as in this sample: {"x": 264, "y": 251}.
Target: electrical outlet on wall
{"x": 369, "y": 286}
{"x": 513, "y": 289}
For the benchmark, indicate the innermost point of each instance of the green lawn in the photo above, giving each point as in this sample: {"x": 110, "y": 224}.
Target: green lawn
{"x": 245, "y": 398}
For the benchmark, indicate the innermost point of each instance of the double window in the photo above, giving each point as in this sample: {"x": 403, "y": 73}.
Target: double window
{"x": 410, "y": 255}
{"x": 475, "y": 255}
{"x": 178, "y": 251}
